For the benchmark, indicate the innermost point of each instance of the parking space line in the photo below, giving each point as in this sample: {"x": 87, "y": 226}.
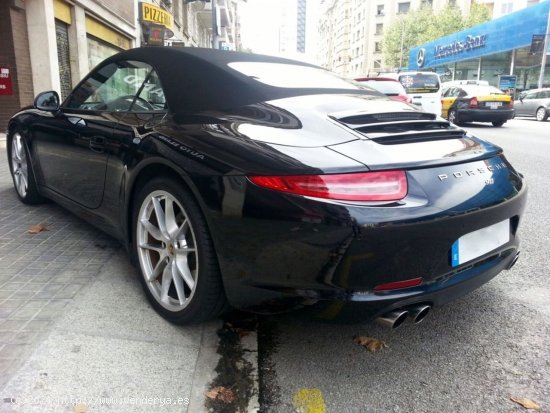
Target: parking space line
{"x": 309, "y": 401}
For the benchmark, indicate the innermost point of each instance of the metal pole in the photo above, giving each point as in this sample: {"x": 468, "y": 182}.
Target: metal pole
{"x": 544, "y": 52}
{"x": 215, "y": 36}
{"x": 479, "y": 69}
{"x": 513, "y": 62}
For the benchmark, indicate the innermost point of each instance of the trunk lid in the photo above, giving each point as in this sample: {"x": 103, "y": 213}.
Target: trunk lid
{"x": 408, "y": 139}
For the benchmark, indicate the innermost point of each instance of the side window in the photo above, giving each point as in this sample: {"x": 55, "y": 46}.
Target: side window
{"x": 530, "y": 95}
{"x": 118, "y": 87}
{"x": 152, "y": 93}
{"x": 461, "y": 93}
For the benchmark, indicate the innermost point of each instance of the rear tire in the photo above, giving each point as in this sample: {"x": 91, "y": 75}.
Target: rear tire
{"x": 498, "y": 124}
{"x": 453, "y": 117}
{"x": 174, "y": 252}
{"x": 21, "y": 169}
{"x": 541, "y": 114}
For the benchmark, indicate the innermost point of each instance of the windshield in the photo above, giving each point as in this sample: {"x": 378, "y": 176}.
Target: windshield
{"x": 420, "y": 82}
{"x": 388, "y": 87}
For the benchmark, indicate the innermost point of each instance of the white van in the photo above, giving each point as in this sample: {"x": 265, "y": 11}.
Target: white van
{"x": 424, "y": 88}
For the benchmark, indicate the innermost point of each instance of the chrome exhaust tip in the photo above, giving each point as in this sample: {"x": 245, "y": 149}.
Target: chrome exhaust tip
{"x": 393, "y": 319}
{"x": 516, "y": 258}
{"x": 418, "y": 313}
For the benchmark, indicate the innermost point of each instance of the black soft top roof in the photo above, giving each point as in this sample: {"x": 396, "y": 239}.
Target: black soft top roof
{"x": 197, "y": 79}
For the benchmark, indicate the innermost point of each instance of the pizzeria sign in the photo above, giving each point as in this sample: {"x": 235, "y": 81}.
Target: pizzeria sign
{"x": 149, "y": 13}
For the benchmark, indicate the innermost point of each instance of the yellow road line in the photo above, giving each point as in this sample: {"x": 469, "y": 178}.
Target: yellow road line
{"x": 309, "y": 401}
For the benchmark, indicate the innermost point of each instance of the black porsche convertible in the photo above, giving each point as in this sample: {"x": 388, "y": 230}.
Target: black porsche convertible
{"x": 242, "y": 180}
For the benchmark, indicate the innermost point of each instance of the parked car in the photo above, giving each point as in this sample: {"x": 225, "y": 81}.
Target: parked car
{"x": 387, "y": 86}
{"x": 424, "y": 88}
{"x": 245, "y": 179}
{"x": 473, "y": 102}
{"x": 535, "y": 103}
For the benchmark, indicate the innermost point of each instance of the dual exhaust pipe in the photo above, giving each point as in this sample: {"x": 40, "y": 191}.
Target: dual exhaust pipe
{"x": 395, "y": 318}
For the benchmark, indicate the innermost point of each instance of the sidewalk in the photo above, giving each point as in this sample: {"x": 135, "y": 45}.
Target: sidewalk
{"x": 76, "y": 329}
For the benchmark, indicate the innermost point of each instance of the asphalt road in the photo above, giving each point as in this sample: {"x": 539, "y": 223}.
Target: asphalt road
{"x": 472, "y": 355}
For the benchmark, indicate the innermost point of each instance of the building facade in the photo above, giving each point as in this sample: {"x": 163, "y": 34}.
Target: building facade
{"x": 52, "y": 44}
{"x": 514, "y": 44}
{"x": 351, "y": 31}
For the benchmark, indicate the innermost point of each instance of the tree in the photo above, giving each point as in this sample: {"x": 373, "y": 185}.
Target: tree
{"x": 422, "y": 26}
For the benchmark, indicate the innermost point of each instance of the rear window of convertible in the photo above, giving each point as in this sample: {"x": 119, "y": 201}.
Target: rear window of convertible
{"x": 291, "y": 76}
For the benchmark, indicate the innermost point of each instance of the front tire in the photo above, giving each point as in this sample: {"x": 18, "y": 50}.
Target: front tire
{"x": 21, "y": 170}
{"x": 175, "y": 254}
{"x": 541, "y": 114}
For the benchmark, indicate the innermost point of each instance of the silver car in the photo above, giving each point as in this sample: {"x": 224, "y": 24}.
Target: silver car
{"x": 535, "y": 102}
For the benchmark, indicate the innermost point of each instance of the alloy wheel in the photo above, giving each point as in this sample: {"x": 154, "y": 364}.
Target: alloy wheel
{"x": 452, "y": 117}
{"x": 167, "y": 250}
{"x": 541, "y": 114}
{"x": 19, "y": 165}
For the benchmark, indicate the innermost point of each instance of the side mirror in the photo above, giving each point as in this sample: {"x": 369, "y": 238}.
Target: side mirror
{"x": 47, "y": 101}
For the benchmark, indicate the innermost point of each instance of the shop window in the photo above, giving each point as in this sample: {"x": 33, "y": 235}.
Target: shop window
{"x": 403, "y": 8}
{"x": 98, "y": 51}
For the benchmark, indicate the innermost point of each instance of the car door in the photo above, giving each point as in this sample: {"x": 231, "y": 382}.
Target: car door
{"x": 527, "y": 107}
{"x": 447, "y": 101}
{"x": 133, "y": 126}
{"x": 71, "y": 146}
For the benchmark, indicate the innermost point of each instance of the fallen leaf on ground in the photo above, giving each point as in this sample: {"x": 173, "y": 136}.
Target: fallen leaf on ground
{"x": 221, "y": 393}
{"x": 528, "y": 404}
{"x": 36, "y": 229}
{"x": 371, "y": 344}
{"x": 80, "y": 408}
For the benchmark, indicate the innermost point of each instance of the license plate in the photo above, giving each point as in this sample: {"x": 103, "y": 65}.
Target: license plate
{"x": 494, "y": 105}
{"x": 479, "y": 242}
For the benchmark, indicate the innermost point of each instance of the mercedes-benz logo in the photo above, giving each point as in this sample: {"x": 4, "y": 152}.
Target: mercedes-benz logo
{"x": 420, "y": 57}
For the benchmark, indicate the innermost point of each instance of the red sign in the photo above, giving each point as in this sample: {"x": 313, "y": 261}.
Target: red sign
{"x": 5, "y": 81}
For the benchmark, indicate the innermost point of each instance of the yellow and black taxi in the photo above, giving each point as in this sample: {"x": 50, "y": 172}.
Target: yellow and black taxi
{"x": 475, "y": 101}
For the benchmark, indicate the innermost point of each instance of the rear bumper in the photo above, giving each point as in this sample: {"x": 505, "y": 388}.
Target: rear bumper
{"x": 286, "y": 250}
{"x": 448, "y": 288}
{"x": 485, "y": 115}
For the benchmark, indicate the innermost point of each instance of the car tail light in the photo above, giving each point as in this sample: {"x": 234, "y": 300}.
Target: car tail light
{"x": 413, "y": 282}
{"x": 365, "y": 186}
{"x": 511, "y": 103}
{"x": 474, "y": 103}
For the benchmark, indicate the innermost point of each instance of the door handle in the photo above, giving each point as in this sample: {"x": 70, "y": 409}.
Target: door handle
{"x": 97, "y": 144}
{"x": 77, "y": 121}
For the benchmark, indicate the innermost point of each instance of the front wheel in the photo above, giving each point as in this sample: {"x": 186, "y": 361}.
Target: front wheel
{"x": 542, "y": 114}
{"x": 498, "y": 123}
{"x": 180, "y": 272}
{"x": 21, "y": 170}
